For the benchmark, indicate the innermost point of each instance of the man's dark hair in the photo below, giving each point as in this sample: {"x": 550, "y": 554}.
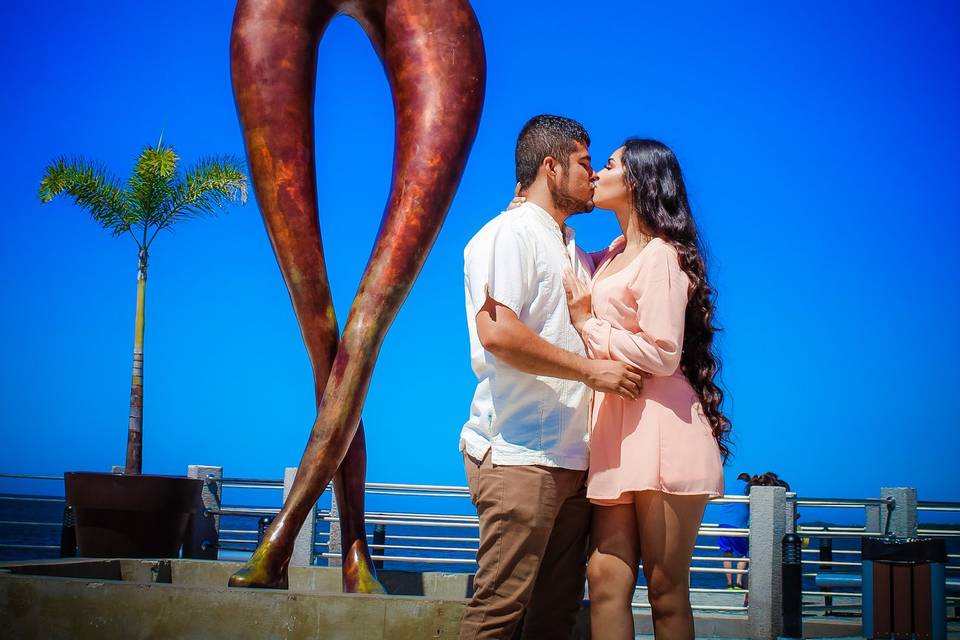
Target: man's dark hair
{"x": 543, "y": 136}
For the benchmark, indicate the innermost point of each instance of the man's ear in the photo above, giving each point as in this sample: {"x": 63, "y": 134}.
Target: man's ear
{"x": 550, "y": 167}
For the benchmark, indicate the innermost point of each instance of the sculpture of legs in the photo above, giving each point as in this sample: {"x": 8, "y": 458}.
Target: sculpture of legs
{"x": 284, "y": 175}
{"x": 433, "y": 54}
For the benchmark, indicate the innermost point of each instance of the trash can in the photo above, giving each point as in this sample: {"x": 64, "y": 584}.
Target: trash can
{"x": 904, "y": 588}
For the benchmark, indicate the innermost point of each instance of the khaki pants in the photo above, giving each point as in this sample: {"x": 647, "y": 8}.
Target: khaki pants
{"x": 534, "y": 522}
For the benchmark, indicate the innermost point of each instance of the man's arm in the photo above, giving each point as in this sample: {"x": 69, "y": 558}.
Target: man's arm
{"x": 509, "y": 340}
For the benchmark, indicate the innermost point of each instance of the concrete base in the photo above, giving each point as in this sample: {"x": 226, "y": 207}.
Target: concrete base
{"x": 189, "y": 599}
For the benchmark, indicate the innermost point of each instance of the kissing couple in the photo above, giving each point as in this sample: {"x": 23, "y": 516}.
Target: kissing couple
{"x": 595, "y": 435}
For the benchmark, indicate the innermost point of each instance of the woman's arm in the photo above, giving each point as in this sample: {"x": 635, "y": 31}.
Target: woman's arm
{"x": 661, "y": 293}
{"x": 509, "y": 340}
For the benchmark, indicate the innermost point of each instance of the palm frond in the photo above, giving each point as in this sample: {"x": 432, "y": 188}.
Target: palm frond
{"x": 91, "y": 188}
{"x": 151, "y": 186}
{"x": 206, "y": 189}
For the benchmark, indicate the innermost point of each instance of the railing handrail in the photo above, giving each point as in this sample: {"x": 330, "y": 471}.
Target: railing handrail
{"x": 25, "y": 476}
{"x": 458, "y": 489}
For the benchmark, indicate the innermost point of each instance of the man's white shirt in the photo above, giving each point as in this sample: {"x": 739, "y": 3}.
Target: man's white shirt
{"x": 518, "y": 259}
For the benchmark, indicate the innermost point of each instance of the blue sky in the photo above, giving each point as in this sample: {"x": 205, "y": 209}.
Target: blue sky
{"x": 819, "y": 143}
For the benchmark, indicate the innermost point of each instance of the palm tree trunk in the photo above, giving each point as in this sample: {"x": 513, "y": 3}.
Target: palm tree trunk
{"x": 135, "y": 428}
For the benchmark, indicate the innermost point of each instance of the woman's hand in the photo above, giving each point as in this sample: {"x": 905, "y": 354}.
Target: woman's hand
{"x": 578, "y": 300}
{"x": 518, "y": 199}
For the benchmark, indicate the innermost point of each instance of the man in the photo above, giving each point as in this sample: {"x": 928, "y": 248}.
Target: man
{"x": 525, "y": 443}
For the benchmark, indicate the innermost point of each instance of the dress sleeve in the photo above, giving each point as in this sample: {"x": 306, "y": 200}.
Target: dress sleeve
{"x": 660, "y": 292}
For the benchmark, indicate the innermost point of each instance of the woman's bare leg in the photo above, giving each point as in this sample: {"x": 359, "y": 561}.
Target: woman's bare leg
{"x": 612, "y": 571}
{"x": 668, "y": 527}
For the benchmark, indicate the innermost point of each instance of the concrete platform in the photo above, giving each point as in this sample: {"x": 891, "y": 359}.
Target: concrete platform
{"x": 189, "y": 599}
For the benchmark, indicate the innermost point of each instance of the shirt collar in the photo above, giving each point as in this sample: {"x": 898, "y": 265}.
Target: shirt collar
{"x": 547, "y": 220}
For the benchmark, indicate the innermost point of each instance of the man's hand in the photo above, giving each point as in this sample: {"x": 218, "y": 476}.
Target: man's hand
{"x": 609, "y": 376}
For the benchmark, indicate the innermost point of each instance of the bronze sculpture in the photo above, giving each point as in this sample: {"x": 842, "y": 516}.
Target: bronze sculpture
{"x": 433, "y": 55}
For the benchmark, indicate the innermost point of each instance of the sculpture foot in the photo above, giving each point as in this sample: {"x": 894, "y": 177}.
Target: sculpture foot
{"x": 359, "y": 574}
{"x": 255, "y": 575}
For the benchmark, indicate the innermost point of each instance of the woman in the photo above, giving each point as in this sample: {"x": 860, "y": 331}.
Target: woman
{"x": 654, "y": 460}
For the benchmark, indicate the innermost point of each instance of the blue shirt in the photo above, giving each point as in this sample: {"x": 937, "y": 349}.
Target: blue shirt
{"x": 735, "y": 514}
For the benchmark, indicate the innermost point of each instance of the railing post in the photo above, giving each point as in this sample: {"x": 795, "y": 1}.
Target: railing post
{"x": 303, "y": 545}
{"x": 790, "y": 512}
{"x": 767, "y": 526}
{"x": 335, "y": 539}
{"x": 68, "y": 534}
{"x": 826, "y": 555}
{"x": 903, "y": 516}
{"x": 379, "y": 542}
{"x": 262, "y": 525}
{"x": 871, "y": 519}
{"x": 792, "y": 572}
{"x": 203, "y": 535}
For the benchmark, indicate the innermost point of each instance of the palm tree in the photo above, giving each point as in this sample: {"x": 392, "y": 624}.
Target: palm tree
{"x": 156, "y": 197}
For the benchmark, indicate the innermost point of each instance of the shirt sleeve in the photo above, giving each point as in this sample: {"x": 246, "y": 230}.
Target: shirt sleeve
{"x": 596, "y": 257}
{"x": 501, "y": 271}
{"x": 660, "y": 290}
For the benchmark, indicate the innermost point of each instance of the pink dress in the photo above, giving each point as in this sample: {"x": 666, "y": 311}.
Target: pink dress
{"x": 661, "y": 440}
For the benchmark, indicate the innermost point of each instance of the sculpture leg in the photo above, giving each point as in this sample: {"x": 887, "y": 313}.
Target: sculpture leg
{"x": 433, "y": 54}
{"x": 281, "y": 152}
{"x": 359, "y": 574}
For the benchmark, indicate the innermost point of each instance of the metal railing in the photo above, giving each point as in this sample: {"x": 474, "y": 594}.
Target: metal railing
{"x": 23, "y": 526}
{"x": 844, "y": 600}
{"x": 396, "y": 539}
{"x": 401, "y": 542}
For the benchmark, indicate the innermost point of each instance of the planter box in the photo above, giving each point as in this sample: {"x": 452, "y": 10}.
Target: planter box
{"x": 142, "y": 516}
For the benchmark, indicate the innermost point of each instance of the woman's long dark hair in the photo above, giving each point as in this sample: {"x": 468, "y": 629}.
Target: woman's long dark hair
{"x": 653, "y": 177}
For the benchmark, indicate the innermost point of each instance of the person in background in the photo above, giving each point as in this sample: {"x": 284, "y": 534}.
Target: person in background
{"x": 766, "y": 479}
{"x": 735, "y": 515}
